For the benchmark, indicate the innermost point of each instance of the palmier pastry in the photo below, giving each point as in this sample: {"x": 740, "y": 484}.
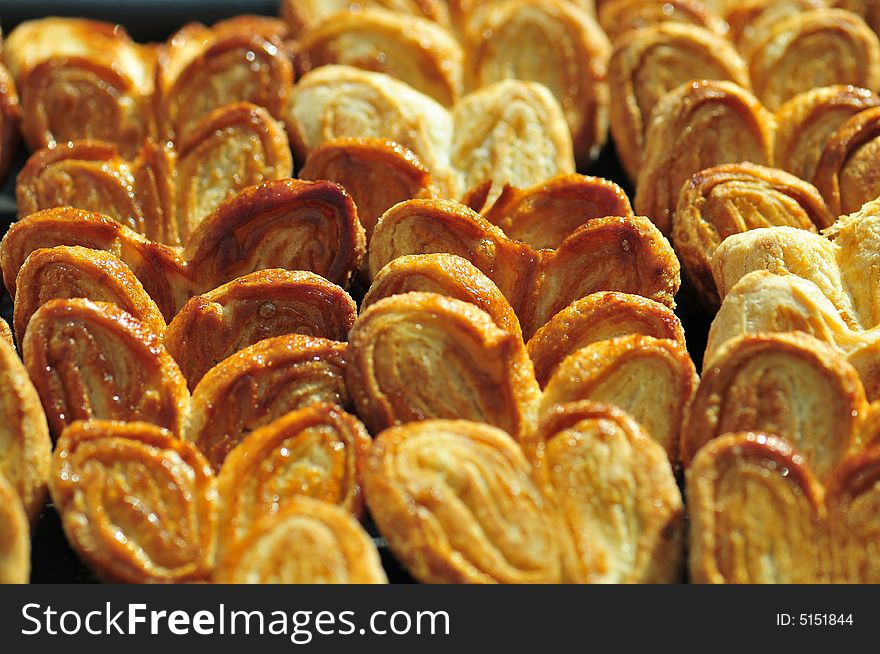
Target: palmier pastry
{"x": 652, "y": 379}
{"x": 652, "y": 61}
{"x": 750, "y": 21}
{"x": 15, "y": 537}
{"x": 10, "y": 116}
{"x": 790, "y": 385}
{"x": 806, "y": 122}
{"x": 422, "y": 355}
{"x": 80, "y": 79}
{"x": 318, "y": 452}
{"x": 599, "y": 317}
{"x": 261, "y": 305}
{"x": 693, "y": 127}
{"x": 840, "y": 47}
{"x": 446, "y": 274}
{"x": 414, "y": 50}
{"x": 25, "y": 446}
{"x": 466, "y": 17}
{"x": 6, "y": 334}
{"x": 68, "y": 272}
{"x": 615, "y": 494}
{"x": 544, "y": 215}
{"x": 457, "y": 503}
{"x": 573, "y": 62}
{"x": 376, "y": 173}
{"x": 136, "y": 503}
{"x": 93, "y": 360}
{"x": 260, "y": 384}
{"x": 301, "y": 15}
{"x": 619, "y": 17}
{"x": 309, "y": 542}
{"x": 734, "y": 198}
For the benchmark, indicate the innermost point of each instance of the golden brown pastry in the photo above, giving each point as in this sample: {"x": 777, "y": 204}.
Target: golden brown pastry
{"x": 806, "y": 122}
{"x": 422, "y": 355}
{"x": 615, "y": 493}
{"x": 301, "y": 15}
{"x": 15, "y": 537}
{"x": 446, "y": 274}
{"x": 6, "y": 334}
{"x": 80, "y": 79}
{"x": 653, "y": 61}
{"x": 572, "y": 63}
{"x": 467, "y": 16}
{"x": 839, "y": 46}
{"x": 10, "y": 118}
{"x": 318, "y": 451}
{"x": 867, "y": 9}
{"x": 217, "y": 324}
{"x": 619, "y": 17}
{"x": 93, "y": 360}
{"x": 652, "y": 379}
{"x": 694, "y": 127}
{"x": 91, "y": 175}
{"x": 309, "y": 542}
{"x": 68, "y": 272}
{"x": 137, "y": 504}
{"x": 25, "y": 446}
{"x": 750, "y": 21}
{"x": 545, "y": 214}
{"x": 260, "y": 384}
{"x": 457, "y": 503}
{"x": 790, "y": 385}
{"x": 413, "y": 49}
{"x": 599, "y": 317}
{"x": 735, "y": 198}
{"x": 377, "y": 174}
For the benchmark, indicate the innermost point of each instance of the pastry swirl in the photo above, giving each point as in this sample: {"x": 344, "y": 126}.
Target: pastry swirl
{"x": 751, "y": 21}
{"x": 429, "y": 486}
{"x": 619, "y": 17}
{"x": 10, "y": 118}
{"x": 302, "y": 15}
{"x": 136, "y": 503}
{"x": 15, "y": 537}
{"x": 309, "y": 542}
{"x": 6, "y": 334}
{"x": 260, "y": 384}
{"x": 93, "y": 360}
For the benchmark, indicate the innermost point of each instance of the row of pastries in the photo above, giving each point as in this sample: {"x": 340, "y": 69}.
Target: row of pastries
{"x": 223, "y": 372}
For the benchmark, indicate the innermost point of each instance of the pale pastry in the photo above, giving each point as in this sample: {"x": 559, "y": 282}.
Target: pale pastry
{"x": 652, "y": 379}
{"x": 93, "y": 360}
{"x": 69, "y": 272}
{"x": 412, "y": 49}
{"x": 136, "y": 503}
{"x": 467, "y": 16}
{"x": 309, "y": 542}
{"x": 614, "y": 492}
{"x": 446, "y": 274}
{"x": 318, "y": 451}
{"x": 6, "y": 333}
{"x": 572, "y": 63}
{"x": 545, "y": 214}
{"x": 80, "y": 79}
{"x": 806, "y": 122}
{"x": 301, "y": 15}
{"x": 217, "y": 324}
{"x": 422, "y": 355}
{"x": 790, "y": 385}
{"x": 735, "y": 198}
{"x": 839, "y": 46}
{"x": 653, "y": 61}
{"x": 619, "y": 17}
{"x": 599, "y": 317}
{"x": 10, "y": 118}
{"x": 260, "y": 384}
{"x": 15, "y": 537}
{"x": 457, "y": 503}
{"x": 25, "y": 446}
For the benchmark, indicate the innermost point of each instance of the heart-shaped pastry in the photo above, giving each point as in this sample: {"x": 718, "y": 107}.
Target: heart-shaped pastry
{"x": 752, "y": 20}
{"x": 15, "y": 537}
{"x": 301, "y": 15}
{"x": 619, "y": 17}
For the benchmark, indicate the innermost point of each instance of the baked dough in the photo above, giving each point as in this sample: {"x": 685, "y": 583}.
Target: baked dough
{"x": 735, "y": 198}
{"x": 599, "y": 317}
{"x": 653, "y": 61}
{"x": 67, "y": 272}
{"x": 136, "y": 503}
{"x": 619, "y": 17}
{"x": 260, "y": 384}
{"x": 696, "y": 126}
{"x": 422, "y": 355}
{"x": 217, "y": 324}
{"x": 15, "y": 537}
{"x": 93, "y": 360}
{"x": 301, "y": 15}
{"x": 10, "y": 118}
{"x": 652, "y": 379}
{"x": 750, "y": 21}
{"x": 6, "y": 334}
{"x": 790, "y": 385}
{"x": 615, "y": 494}
{"x": 457, "y": 503}
{"x": 309, "y": 542}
